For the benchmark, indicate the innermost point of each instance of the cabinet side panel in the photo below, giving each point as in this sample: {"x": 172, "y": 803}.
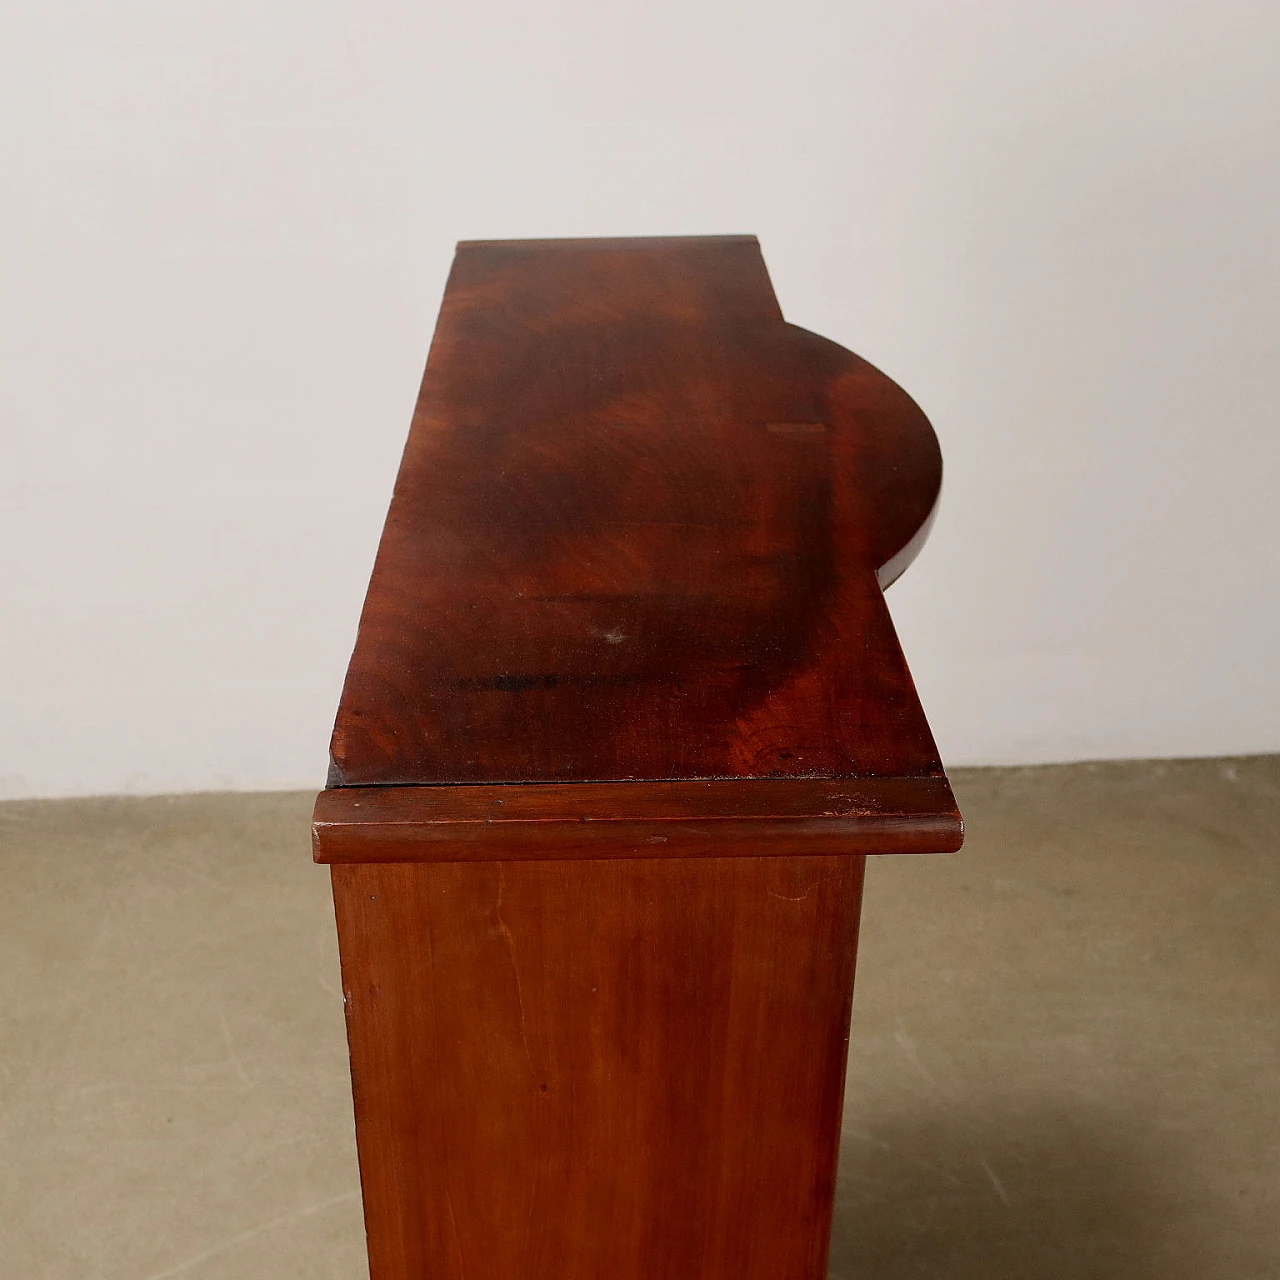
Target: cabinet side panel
{"x": 571, "y": 1070}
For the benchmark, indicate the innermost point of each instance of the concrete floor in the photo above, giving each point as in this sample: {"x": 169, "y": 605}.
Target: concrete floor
{"x": 1065, "y": 1056}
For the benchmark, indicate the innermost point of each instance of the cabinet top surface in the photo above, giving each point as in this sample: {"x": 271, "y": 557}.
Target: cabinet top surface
{"x": 639, "y": 532}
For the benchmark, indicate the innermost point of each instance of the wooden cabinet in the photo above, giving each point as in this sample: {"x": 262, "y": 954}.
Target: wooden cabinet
{"x": 625, "y": 715}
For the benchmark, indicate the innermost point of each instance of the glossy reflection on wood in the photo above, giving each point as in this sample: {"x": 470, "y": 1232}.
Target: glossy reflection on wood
{"x": 636, "y": 534}
{"x": 626, "y": 712}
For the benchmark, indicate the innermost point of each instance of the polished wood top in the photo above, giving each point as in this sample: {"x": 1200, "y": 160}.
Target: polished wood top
{"x": 640, "y": 531}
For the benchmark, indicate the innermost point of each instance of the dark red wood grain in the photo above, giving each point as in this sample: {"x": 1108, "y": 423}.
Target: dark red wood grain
{"x": 636, "y": 534}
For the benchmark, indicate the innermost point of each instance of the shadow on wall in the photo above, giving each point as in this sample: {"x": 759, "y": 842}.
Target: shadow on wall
{"x": 1051, "y": 1195}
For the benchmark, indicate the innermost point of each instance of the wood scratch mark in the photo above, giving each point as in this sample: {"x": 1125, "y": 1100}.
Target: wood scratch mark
{"x": 453, "y": 1223}
{"x": 230, "y": 1243}
{"x": 515, "y": 970}
{"x": 786, "y": 897}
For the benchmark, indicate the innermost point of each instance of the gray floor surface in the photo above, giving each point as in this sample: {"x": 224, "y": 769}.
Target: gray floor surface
{"x": 1065, "y": 1056}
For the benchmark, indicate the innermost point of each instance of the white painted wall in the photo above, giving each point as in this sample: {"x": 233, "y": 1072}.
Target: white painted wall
{"x": 226, "y": 227}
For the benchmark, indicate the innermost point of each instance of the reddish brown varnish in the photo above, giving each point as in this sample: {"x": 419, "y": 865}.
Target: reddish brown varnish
{"x": 636, "y": 534}
{"x": 626, "y": 712}
{"x": 581, "y": 1070}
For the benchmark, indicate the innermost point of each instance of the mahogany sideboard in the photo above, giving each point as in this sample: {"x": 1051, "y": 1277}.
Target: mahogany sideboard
{"x": 625, "y": 715}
